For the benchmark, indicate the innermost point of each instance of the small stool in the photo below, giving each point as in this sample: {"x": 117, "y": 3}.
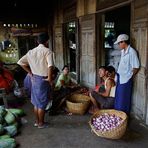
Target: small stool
{"x": 3, "y": 96}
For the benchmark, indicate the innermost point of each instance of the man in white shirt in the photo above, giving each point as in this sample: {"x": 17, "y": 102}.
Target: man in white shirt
{"x": 38, "y": 62}
{"x": 128, "y": 67}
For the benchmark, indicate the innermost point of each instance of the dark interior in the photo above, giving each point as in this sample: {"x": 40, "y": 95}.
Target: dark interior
{"x": 121, "y": 19}
{"x": 25, "y": 10}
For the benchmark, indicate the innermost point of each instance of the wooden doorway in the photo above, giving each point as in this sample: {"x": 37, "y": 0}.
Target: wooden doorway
{"x": 71, "y": 47}
{"x": 113, "y": 23}
{"x": 88, "y": 50}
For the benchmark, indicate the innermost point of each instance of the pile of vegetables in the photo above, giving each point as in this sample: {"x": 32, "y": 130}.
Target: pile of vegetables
{"x": 9, "y": 121}
{"x": 106, "y": 122}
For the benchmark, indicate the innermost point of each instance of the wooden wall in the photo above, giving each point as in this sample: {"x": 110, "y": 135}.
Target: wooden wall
{"x": 90, "y": 6}
{"x": 58, "y": 35}
{"x": 87, "y": 51}
{"x": 85, "y": 11}
{"x": 140, "y": 41}
{"x": 58, "y": 46}
{"x": 80, "y": 8}
{"x": 69, "y": 13}
{"x": 103, "y": 4}
{"x": 87, "y": 39}
{"x": 85, "y": 7}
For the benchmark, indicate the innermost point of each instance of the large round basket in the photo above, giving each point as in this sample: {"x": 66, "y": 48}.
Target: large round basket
{"x": 115, "y": 133}
{"x": 77, "y": 103}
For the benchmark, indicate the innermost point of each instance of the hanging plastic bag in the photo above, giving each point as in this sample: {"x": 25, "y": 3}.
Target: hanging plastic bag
{"x": 18, "y": 92}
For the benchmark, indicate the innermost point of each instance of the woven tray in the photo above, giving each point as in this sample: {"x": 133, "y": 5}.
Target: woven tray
{"x": 77, "y": 103}
{"x": 115, "y": 133}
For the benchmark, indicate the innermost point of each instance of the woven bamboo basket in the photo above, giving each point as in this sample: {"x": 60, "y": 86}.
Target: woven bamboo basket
{"x": 77, "y": 103}
{"x": 115, "y": 133}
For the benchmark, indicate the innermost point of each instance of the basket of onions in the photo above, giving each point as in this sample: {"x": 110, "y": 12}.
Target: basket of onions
{"x": 109, "y": 123}
{"x": 77, "y": 103}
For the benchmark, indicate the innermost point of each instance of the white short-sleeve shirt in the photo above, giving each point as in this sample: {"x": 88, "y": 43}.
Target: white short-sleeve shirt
{"x": 128, "y": 61}
{"x": 39, "y": 59}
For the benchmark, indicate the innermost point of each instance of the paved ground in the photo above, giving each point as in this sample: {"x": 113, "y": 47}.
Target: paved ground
{"x": 74, "y": 132}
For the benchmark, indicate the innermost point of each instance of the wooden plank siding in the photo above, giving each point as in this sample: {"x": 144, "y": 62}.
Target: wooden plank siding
{"x": 87, "y": 51}
{"x": 102, "y": 4}
{"x": 140, "y": 41}
{"x": 58, "y": 46}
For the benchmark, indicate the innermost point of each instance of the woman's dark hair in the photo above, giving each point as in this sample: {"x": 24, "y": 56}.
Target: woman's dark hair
{"x": 65, "y": 66}
{"x": 55, "y": 71}
{"x": 103, "y": 67}
{"x": 110, "y": 69}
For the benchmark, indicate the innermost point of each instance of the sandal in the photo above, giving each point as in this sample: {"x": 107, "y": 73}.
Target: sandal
{"x": 35, "y": 124}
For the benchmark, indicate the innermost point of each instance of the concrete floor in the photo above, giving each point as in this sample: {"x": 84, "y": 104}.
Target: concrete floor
{"x": 74, "y": 132}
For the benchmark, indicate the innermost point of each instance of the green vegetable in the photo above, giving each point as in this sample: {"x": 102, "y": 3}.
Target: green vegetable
{"x": 7, "y": 143}
{"x": 4, "y": 124}
{"x": 9, "y": 118}
{"x": 1, "y": 129}
{"x": 4, "y": 136}
{"x": 16, "y": 124}
{"x": 1, "y": 119}
{"x": 11, "y": 130}
{"x": 2, "y": 111}
{"x": 17, "y": 112}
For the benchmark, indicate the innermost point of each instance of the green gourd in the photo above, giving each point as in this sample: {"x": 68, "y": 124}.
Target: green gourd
{"x": 1, "y": 129}
{"x": 11, "y": 130}
{"x": 17, "y": 112}
{"x": 7, "y": 143}
{"x": 9, "y": 118}
{"x": 4, "y": 136}
{"x": 2, "y": 111}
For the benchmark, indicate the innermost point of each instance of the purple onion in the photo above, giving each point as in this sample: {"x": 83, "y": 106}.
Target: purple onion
{"x": 106, "y": 122}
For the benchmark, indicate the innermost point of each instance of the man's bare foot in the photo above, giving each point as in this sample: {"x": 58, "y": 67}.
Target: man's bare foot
{"x": 93, "y": 109}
